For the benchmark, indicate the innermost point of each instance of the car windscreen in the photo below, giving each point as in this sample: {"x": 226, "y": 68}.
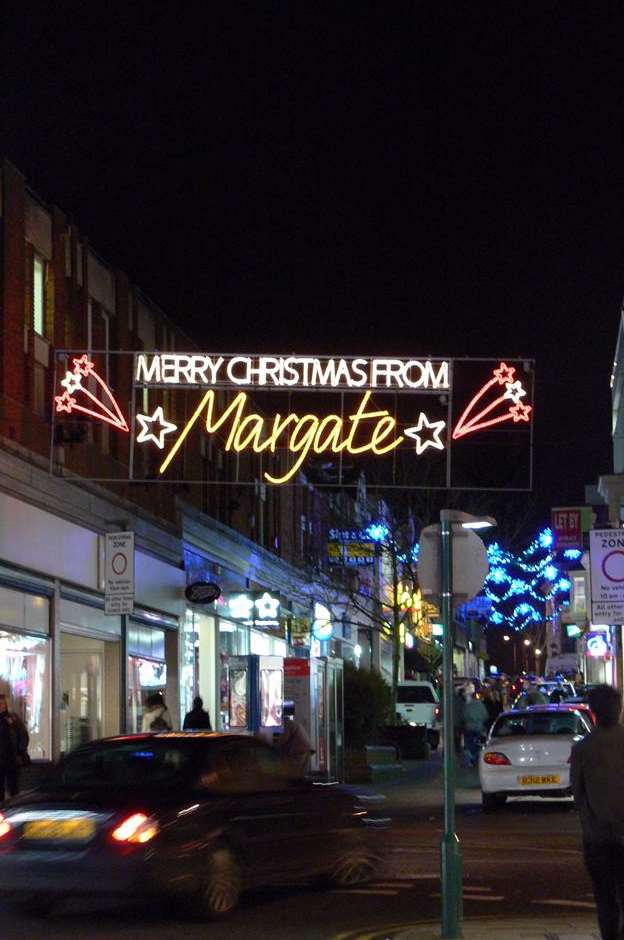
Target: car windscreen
{"x": 538, "y": 723}
{"x": 161, "y": 763}
{"x": 414, "y": 694}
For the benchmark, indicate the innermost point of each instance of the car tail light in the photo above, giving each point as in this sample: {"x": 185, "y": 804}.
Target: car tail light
{"x": 137, "y": 828}
{"x": 436, "y": 711}
{"x": 5, "y": 827}
{"x": 495, "y": 757}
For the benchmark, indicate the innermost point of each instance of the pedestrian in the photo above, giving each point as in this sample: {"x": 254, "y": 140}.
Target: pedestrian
{"x": 531, "y": 695}
{"x": 597, "y": 771}
{"x": 459, "y": 704}
{"x": 295, "y": 746}
{"x": 475, "y": 721}
{"x": 492, "y": 702}
{"x": 198, "y": 718}
{"x": 13, "y": 748}
{"x": 156, "y": 715}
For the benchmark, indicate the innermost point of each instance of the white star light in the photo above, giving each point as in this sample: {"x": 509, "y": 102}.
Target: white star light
{"x": 240, "y": 606}
{"x": 514, "y": 391}
{"x": 267, "y": 607}
{"x": 72, "y": 382}
{"x": 146, "y": 434}
{"x": 422, "y": 441}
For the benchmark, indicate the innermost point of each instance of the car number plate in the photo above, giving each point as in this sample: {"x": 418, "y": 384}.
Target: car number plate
{"x": 532, "y": 779}
{"x": 60, "y": 829}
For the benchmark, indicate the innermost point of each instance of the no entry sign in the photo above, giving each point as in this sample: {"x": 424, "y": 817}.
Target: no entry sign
{"x": 606, "y": 548}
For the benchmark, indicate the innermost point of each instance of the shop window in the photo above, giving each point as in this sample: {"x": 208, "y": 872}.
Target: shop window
{"x": 39, "y": 278}
{"x": 25, "y": 678}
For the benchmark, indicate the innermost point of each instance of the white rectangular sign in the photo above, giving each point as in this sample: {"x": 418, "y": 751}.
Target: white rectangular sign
{"x": 606, "y": 551}
{"x": 118, "y": 604}
{"x": 119, "y": 566}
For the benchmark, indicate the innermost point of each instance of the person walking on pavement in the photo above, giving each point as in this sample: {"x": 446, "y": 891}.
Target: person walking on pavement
{"x": 596, "y": 773}
{"x": 459, "y": 704}
{"x": 13, "y": 749}
{"x": 198, "y": 718}
{"x": 156, "y": 715}
{"x": 295, "y": 746}
{"x": 475, "y": 721}
{"x": 531, "y": 695}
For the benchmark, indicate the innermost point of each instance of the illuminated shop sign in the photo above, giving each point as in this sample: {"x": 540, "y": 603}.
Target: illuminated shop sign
{"x": 431, "y": 423}
{"x": 597, "y": 644}
{"x": 322, "y": 624}
{"x": 351, "y": 547}
{"x": 254, "y": 608}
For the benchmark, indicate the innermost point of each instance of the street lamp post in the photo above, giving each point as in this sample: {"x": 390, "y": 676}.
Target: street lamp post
{"x": 451, "y": 863}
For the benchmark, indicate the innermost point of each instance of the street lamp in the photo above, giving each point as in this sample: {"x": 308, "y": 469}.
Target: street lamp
{"x": 451, "y": 866}
{"x": 527, "y": 642}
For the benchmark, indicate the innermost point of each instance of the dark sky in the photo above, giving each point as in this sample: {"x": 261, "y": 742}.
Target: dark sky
{"x": 404, "y": 178}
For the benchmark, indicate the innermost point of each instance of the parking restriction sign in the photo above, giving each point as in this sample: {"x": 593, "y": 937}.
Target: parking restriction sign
{"x": 606, "y": 551}
{"x": 119, "y": 573}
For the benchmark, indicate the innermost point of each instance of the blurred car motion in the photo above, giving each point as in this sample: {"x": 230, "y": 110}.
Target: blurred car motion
{"x": 197, "y": 816}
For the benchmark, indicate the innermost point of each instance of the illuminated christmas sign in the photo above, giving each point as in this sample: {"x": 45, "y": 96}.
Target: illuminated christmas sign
{"x": 239, "y": 419}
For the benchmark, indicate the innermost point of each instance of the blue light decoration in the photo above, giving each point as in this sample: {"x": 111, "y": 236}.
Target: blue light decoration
{"x": 572, "y": 554}
{"x": 377, "y": 531}
{"x": 518, "y": 585}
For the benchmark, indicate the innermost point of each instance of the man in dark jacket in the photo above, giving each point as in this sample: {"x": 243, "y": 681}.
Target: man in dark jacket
{"x": 13, "y": 748}
{"x": 597, "y": 771}
{"x": 197, "y": 719}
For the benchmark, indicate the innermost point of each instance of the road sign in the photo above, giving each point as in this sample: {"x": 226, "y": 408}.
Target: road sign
{"x": 606, "y": 553}
{"x": 119, "y": 573}
{"x": 470, "y": 563}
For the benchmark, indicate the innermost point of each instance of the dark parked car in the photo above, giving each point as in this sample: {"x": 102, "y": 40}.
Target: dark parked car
{"x": 198, "y": 816}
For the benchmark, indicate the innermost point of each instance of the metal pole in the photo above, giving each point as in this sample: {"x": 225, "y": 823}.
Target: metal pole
{"x": 451, "y": 867}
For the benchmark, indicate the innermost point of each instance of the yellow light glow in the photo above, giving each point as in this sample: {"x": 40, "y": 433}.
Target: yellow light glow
{"x": 303, "y": 433}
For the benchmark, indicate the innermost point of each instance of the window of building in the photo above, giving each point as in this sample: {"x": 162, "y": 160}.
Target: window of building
{"x": 579, "y": 593}
{"x": 39, "y": 273}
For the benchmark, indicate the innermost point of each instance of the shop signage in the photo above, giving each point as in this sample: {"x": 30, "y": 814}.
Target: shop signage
{"x": 382, "y": 412}
{"x": 350, "y": 547}
{"x": 119, "y": 573}
{"x": 606, "y": 559}
{"x": 202, "y": 592}
{"x": 256, "y": 609}
{"x": 597, "y": 644}
{"x": 322, "y": 628}
{"x": 567, "y": 526}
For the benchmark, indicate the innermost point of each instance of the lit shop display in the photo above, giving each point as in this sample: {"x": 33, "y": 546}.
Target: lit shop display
{"x": 256, "y": 693}
{"x": 293, "y": 412}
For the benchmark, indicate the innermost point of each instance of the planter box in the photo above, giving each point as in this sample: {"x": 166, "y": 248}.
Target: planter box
{"x": 410, "y": 742}
{"x": 372, "y": 763}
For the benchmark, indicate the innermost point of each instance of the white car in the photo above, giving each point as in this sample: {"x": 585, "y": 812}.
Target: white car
{"x": 418, "y": 703}
{"x": 527, "y": 753}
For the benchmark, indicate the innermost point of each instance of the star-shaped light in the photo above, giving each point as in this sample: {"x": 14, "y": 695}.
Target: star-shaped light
{"x": 64, "y": 402}
{"x": 147, "y": 434}
{"x": 72, "y": 382}
{"x": 240, "y": 606}
{"x": 423, "y": 441}
{"x": 83, "y": 366}
{"x": 267, "y": 606}
{"x": 504, "y": 373}
{"x": 514, "y": 391}
{"x": 520, "y": 412}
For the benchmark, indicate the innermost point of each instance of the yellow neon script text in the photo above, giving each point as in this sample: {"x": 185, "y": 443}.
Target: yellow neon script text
{"x": 303, "y": 433}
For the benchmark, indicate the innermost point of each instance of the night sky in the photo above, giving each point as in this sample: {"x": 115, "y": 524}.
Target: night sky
{"x": 403, "y": 178}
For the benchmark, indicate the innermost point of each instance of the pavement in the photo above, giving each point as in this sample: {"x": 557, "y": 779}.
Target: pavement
{"x": 397, "y": 797}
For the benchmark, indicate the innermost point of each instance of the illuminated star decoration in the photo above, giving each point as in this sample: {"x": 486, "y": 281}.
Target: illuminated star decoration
{"x": 479, "y": 415}
{"x": 423, "y": 441}
{"x": 267, "y": 607}
{"x": 77, "y": 397}
{"x": 147, "y": 433}
{"x": 240, "y": 606}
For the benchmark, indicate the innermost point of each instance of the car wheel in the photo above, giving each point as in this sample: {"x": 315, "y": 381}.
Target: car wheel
{"x": 492, "y": 801}
{"x": 221, "y": 884}
{"x": 356, "y": 866}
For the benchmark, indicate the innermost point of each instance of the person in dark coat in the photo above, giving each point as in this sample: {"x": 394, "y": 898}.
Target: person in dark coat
{"x": 198, "y": 718}
{"x": 596, "y": 773}
{"x": 13, "y": 749}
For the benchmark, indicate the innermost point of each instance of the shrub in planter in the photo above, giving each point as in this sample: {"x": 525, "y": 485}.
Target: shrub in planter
{"x": 367, "y": 705}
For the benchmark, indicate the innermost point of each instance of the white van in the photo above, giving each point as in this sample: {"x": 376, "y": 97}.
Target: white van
{"x": 418, "y": 703}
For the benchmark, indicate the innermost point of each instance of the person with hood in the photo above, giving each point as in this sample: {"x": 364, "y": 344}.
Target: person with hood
{"x": 475, "y": 724}
{"x": 596, "y": 774}
{"x": 13, "y": 749}
{"x": 197, "y": 719}
{"x": 156, "y": 716}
